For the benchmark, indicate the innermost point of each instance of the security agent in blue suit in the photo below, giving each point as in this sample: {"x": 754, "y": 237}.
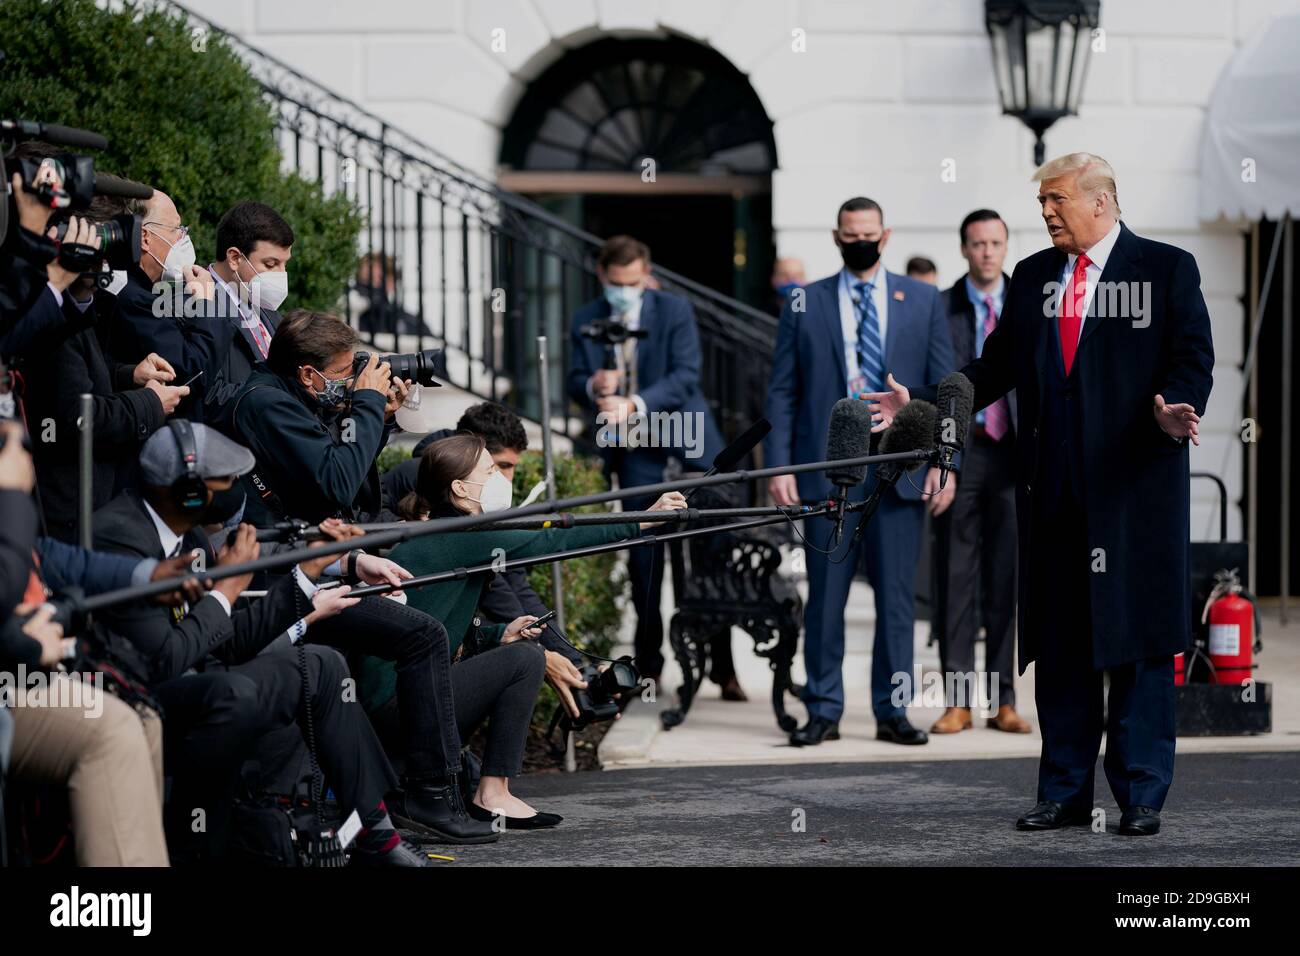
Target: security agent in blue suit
{"x": 656, "y": 376}
{"x": 849, "y": 330}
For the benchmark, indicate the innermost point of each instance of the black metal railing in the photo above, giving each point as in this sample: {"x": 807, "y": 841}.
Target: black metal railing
{"x": 476, "y": 270}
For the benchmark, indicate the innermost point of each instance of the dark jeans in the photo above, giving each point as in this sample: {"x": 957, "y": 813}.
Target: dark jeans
{"x": 212, "y": 721}
{"x": 499, "y": 685}
{"x": 417, "y": 644}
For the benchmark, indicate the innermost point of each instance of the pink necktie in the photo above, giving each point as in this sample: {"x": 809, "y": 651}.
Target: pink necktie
{"x": 998, "y": 415}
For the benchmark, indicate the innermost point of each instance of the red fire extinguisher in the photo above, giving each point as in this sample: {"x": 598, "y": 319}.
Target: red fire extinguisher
{"x": 1231, "y": 620}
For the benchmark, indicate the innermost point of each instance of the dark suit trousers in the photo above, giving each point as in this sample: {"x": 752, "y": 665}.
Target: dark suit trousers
{"x": 212, "y": 721}
{"x": 645, "y": 566}
{"x": 1138, "y": 718}
{"x": 976, "y": 547}
{"x": 417, "y": 644}
{"x": 892, "y": 544}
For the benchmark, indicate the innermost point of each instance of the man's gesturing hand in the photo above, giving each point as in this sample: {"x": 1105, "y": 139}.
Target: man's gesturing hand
{"x": 885, "y": 405}
{"x": 1178, "y": 421}
{"x": 783, "y": 489}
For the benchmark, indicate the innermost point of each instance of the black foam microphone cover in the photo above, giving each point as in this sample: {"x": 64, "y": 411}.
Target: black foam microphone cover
{"x": 911, "y": 430}
{"x": 848, "y": 436}
{"x": 956, "y": 400}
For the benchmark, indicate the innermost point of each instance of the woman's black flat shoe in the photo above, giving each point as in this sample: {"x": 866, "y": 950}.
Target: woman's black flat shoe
{"x": 538, "y": 821}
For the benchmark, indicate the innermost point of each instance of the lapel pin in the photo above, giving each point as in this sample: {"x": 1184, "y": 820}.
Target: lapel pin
{"x": 898, "y": 295}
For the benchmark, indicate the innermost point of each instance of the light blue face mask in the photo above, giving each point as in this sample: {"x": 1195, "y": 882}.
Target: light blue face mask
{"x": 622, "y": 298}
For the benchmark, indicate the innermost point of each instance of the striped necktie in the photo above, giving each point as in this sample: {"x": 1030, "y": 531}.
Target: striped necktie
{"x": 871, "y": 357}
{"x": 997, "y": 416}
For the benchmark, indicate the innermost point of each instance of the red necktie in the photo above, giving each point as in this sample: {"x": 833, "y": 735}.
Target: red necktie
{"x": 1072, "y": 310}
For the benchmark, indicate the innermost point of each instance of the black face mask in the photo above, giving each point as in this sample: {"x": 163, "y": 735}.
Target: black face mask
{"x": 224, "y": 505}
{"x": 861, "y": 255}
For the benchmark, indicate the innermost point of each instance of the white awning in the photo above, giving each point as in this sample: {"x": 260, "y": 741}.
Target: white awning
{"x": 1250, "y": 150}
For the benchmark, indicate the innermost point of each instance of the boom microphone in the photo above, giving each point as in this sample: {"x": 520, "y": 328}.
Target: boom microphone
{"x": 106, "y": 184}
{"x": 847, "y": 436}
{"x": 730, "y": 457}
{"x": 52, "y": 133}
{"x": 955, "y": 401}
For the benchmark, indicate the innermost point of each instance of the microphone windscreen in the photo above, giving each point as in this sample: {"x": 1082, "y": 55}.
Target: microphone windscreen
{"x": 727, "y": 459}
{"x": 956, "y": 400}
{"x": 911, "y": 430}
{"x": 106, "y": 184}
{"x": 848, "y": 436}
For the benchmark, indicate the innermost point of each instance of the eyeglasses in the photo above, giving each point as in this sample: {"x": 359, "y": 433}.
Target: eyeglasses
{"x": 184, "y": 230}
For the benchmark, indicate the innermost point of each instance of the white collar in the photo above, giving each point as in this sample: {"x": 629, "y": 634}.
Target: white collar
{"x": 166, "y": 536}
{"x": 231, "y": 293}
{"x": 1100, "y": 251}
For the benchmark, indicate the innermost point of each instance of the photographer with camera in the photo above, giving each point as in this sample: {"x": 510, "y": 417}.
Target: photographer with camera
{"x": 109, "y": 765}
{"x": 635, "y": 357}
{"x": 131, "y": 400}
{"x": 316, "y": 419}
{"x": 499, "y": 681}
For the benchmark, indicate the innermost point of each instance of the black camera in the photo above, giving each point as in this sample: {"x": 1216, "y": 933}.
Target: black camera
{"x": 596, "y": 701}
{"x": 610, "y": 332}
{"x": 119, "y": 243}
{"x": 414, "y": 366}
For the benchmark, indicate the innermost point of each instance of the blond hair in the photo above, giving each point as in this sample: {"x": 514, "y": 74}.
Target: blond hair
{"x": 1095, "y": 174}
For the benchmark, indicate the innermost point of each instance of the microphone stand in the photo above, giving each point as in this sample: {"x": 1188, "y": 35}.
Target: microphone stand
{"x": 646, "y": 540}
{"x": 416, "y": 529}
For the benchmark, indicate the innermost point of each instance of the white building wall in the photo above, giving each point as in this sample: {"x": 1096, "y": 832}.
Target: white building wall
{"x": 885, "y": 95}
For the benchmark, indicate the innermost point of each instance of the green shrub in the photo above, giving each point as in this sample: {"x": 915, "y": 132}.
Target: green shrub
{"x": 181, "y": 114}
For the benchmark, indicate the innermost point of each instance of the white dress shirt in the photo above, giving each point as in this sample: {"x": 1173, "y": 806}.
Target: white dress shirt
{"x": 1097, "y": 256}
{"x": 171, "y": 546}
{"x": 849, "y": 320}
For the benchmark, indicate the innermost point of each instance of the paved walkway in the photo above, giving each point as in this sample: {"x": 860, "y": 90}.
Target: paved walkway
{"x": 1224, "y": 809}
{"x": 717, "y": 732}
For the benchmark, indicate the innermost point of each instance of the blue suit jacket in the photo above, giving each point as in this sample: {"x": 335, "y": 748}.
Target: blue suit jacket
{"x": 809, "y": 374}
{"x": 668, "y": 378}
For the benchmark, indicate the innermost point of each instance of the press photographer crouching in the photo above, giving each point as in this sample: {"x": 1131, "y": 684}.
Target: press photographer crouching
{"x": 501, "y": 669}
{"x": 316, "y": 426}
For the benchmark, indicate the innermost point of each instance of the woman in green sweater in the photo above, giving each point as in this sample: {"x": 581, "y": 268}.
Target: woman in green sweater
{"x": 457, "y": 477}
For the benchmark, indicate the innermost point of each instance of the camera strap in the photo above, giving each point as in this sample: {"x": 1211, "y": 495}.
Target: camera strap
{"x": 264, "y": 491}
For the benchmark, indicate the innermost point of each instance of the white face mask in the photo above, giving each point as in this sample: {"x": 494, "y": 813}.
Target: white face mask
{"x": 497, "y": 493}
{"x": 267, "y": 290}
{"x": 179, "y": 256}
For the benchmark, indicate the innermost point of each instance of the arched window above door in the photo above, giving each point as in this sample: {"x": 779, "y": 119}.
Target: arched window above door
{"x": 609, "y": 105}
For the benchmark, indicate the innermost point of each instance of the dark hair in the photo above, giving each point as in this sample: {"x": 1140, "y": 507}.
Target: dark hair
{"x": 247, "y": 223}
{"x": 980, "y": 215}
{"x": 622, "y": 251}
{"x": 305, "y": 337}
{"x": 442, "y": 463}
{"x": 920, "y": 265}
{"x": 858, "y": 204}
{"x": 498, "y": 426}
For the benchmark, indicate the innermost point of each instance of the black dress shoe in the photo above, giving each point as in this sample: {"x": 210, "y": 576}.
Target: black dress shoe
{"x": 1139, "y": 821}
{"x": 815, "y": 731}
{"x": 1050, "y": 815}
{"x": 538, "y": 821}
{"x": 898, "y": 730}
{"x": 404, "y": 854}
{"x": 435, "y": 812}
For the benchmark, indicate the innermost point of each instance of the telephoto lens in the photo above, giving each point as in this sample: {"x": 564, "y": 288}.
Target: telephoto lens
{"x": 413, "y": 366}
{"x": 119, "y": 239}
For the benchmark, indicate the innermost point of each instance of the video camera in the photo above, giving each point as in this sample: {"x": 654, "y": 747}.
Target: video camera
{"x": 66, "y": 184}
{"x": 414, "y": 366}
{"x": 610, "y": 332}
{"x": 596, "y": 701}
